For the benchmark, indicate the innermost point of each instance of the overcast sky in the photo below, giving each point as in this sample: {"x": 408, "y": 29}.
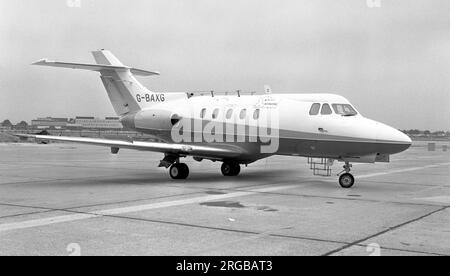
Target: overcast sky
{"x": 392, "y": 62}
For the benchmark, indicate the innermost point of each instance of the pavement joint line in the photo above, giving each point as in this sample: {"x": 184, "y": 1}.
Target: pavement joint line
{"x": 73, "y": 166}
{"x": 389, "y": 229}
{"x": 54, "y": 179}
{"x": 220, "y": 228}
{"x": 405, "y": 183}
{"x": 26, "y": 214}
{"x": 258, "y": 235}
{"x": 405, "y": 250}
{"x": 356, "y": 199}
{"x": 26, "y": 206}
{"x": 120, "y": 210}
{"x": 70, "y": 209}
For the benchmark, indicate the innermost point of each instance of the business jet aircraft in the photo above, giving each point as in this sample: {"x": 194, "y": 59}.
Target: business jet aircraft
{"x": 236, "y": 129}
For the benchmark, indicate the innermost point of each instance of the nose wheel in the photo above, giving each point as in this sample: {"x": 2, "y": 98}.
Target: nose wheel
{"x": 179, "y": 171}
{"x": 346, "y": 180}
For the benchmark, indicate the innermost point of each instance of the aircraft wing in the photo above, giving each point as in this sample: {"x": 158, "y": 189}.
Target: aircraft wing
{"x": 181, "y": 149}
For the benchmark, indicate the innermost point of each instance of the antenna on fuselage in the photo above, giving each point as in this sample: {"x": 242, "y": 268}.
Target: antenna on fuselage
{"x": 267, "y": 89}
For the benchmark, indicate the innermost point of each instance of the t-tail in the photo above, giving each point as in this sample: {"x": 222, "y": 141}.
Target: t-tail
{"x": 124, "y": 91}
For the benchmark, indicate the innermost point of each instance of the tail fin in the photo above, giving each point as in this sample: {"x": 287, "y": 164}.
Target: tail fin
{"x": 122, "y": 87}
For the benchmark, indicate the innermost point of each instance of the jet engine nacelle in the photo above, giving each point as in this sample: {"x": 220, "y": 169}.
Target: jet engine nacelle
{"x": 154, "y": 119}
{"x": 157, "y": 119}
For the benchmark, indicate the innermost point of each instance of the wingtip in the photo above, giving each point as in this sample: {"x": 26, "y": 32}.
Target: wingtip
{"x": 21, "y": 135}
{"x": 40, "y": 62}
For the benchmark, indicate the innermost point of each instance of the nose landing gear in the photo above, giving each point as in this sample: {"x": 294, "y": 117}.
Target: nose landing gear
{"x": 346, "y": 180}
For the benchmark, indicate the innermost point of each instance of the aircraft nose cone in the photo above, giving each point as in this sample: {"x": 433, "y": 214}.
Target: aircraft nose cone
{"x": 404, "y": 138}
{"x": 394, "y": 141}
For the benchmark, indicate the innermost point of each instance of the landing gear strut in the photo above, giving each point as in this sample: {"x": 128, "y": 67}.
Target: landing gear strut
{"x": 230, "y": 168}
{"x": 346, "y": 180}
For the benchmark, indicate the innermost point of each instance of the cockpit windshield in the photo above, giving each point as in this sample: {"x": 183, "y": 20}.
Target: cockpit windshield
{"x": 344, "y": 109}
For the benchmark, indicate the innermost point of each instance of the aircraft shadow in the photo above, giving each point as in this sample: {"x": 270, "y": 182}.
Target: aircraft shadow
{"x": 263, "y": 177}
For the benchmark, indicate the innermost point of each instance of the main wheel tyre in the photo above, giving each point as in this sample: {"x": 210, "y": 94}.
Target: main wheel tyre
{"x": 230, "y": 169}
{"x": 346, "y": 180}
{"x": 179, "y": 171}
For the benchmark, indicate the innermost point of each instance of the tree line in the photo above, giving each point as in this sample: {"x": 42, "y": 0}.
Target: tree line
{"x": 418, "y": 132}
{"x": 21, "y": 125}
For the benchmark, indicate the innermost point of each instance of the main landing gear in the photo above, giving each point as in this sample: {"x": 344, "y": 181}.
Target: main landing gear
{"x": 179, "y": 171}
{"x": 346, "y": 180}
{"x": 230, "y": 168}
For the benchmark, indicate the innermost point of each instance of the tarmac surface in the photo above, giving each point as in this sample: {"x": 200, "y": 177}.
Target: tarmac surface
{"x": 64, "y": 199}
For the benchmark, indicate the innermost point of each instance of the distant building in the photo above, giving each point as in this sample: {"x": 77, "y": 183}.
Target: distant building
{"x": 80, "y": 122}
{"x": 49, "y": 122}
{"x": 97, "y": 123}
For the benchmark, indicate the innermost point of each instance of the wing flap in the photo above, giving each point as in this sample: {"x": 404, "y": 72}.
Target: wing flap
{"x": 193, "y": 150}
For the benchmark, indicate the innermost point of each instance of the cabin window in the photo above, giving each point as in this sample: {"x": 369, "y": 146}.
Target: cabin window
{"x": 229, "y": 113}
{"x": 243, "y": 113}
{"x": 326, "y": 110}
{"x": 203, "y": 113}
{"x": 215, "y": 113}
{"x": 314, "y": 109}
{"x": 344, "y": 109}
{"x": 256, "y": 114}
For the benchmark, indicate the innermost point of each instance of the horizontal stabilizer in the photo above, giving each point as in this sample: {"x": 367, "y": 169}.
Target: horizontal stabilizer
{"x": 94, "y": 67}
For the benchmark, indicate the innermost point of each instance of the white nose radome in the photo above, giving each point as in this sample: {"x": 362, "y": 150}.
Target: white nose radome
{"x": 391, "y": 140}
{"x": 386, "y": 133}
